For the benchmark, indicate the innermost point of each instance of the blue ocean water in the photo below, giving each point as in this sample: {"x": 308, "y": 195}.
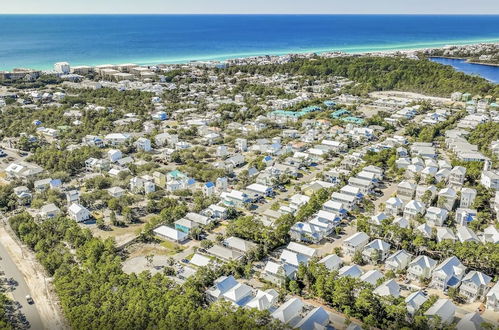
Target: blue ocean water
{"x": 488, "y": 72}
{"x": 37, "y": 41}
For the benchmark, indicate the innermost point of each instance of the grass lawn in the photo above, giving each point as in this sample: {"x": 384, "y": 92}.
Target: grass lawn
{"x": 172, "y": 247}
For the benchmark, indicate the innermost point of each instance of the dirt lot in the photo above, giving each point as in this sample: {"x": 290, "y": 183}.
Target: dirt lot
{"x": 407, "y": 95}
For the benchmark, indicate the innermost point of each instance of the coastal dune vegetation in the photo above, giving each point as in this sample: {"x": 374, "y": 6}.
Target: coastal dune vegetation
{"x": 383, "y": 73}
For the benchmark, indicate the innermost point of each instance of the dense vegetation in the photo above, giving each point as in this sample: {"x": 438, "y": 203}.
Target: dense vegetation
{"x": 272, "y": 237}
{"x": 480, "y": 256}
{"x": 70, "y": 162}
{"x": 5, "y": 322}
{"x": 379, "y": 73}
{"x": 483, "y": 135}
{"x": 96, "y": 294}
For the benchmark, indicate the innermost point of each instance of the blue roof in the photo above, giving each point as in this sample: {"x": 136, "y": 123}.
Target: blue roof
{"x": 209, "y": 184}
{"x": 329, "y": 103}
{"x": 191, "y": 181}
{"x": 339, "y": 113}
{"x": 311, "y": 108}
{"x": 56, "y": 182}
{"x": 267, "y": 158}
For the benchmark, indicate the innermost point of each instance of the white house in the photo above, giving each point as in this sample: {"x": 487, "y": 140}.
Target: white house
{"x": 143, "y": 144}
{"x": 398, "y": 260}
{"x": 468, "y": 196}
{"x": 474, "y": 285}
{"x": 375, "y": 251}
{"x": 414, "y": 301}
{"x": 355, "y": 243}
{"x": 493, "y": 298}
{"x": 289, "y": 312}
{"x": 470, "y": 321}
{"x": 465, "y": 216}
{"x": 49, "y": 211}
{"x": 447, "y": 198}
{"x": 436, "y": 216}
{"x": 371, "y": 276}
{"x": 278, "y": 273}
{"x": 420, "y": 268}
{"x": 389, "y": 288}
{"x": 444, "y": 309}
{"x": 331, "y": 262}
{"x": 171, "y": 234}
{"x": 78, "y": 212}
{"x": 413, "y": 209}
{"x": 353, "y": 271}
{"x": 114, "y": 155}
{"x": 490, "y": 179}
{"x": 394, "y": 206}
{"x": 448, "y": 274}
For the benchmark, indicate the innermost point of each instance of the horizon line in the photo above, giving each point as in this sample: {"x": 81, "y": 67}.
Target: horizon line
{"x": 261, "y": 14}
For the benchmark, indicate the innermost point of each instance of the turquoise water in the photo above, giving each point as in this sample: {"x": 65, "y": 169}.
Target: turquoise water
{"x": 488, "y": 72}
{"x": 38, "y": 41}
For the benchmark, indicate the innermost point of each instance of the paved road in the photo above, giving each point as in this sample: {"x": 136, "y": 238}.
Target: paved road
{"x": 21, "y": 290}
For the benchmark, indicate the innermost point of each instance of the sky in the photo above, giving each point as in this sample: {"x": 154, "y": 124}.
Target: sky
{"x": 249, "y": 6}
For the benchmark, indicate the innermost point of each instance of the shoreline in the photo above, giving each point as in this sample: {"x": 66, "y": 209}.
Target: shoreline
{"x": 351, "y": 50}
{"x": 467, "y": 60}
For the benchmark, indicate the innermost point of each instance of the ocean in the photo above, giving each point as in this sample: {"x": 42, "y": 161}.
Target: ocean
{"x": 38, "y": 41}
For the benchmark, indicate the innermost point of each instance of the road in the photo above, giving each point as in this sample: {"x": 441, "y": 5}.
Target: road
{"x": 21, "y": 290}
{"x": 20, "y": 264}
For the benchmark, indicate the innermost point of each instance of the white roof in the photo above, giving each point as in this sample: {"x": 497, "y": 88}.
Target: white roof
{"x": 388, "y": 288}
{"x": 317, "y": 318}
{"x": 451, "y": 266}
{"x": 289, "y": 310}
{"x": 200, "y": 260}
{"x": 299, "y": 199}
{"x": 371, "y": 276}
{"x": 326, "y": 215}
{"x": 239, "y": 244}
{"x": 260, "y": 188}
{"x": 263, "y": 299}
{"x": 333, "y": 205}
{"x": 302, "y": 249}
{"x": 49, "y": 208}
{"x": 222, "y": 285}
{"x": 331, "y": 261}
{"x": 170, "y": 233}
{"x": 378, "y": 244}
{"x": 352, "y": 271}
{"x": 238, "y": 292}
{"x": 443, "y": 308}
{"x": 470, "y": 321}
{"x": 415, "y": 300}
{"x": 357, "y": 239}
{"x": 198, "y": 218}
{"x": 293, "y": 258}
{"x": 478, "y": 278}
{"x": 424, "y": 262}
{"x": 76, "y": 208}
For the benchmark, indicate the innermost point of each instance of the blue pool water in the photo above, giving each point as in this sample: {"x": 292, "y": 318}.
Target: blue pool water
{"x": 37, "y": 41}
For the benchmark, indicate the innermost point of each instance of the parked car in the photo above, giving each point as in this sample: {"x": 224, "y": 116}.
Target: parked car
{"x": 29, "y": 300}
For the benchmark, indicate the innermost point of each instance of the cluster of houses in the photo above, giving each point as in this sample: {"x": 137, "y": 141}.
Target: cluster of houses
{"x": 334, "y": 210}
{"x": 294, "y": 312}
